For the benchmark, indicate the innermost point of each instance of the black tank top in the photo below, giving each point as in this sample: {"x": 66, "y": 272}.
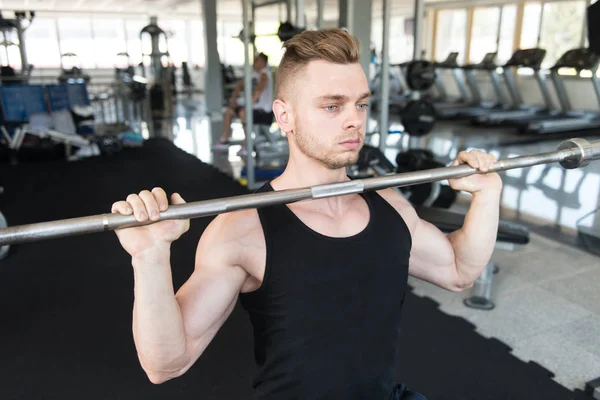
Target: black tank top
{"x": 327, "y": 314}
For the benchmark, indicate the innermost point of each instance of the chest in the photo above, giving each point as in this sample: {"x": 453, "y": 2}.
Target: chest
{"x": 351, "y": 222}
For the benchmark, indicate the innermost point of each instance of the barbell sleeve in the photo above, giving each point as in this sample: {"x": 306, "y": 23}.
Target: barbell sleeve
{"x": 573, "y": 153}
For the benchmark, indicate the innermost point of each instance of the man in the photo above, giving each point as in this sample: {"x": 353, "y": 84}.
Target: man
{"x": 323, "y": 280}
{"x": 262, "y": 101}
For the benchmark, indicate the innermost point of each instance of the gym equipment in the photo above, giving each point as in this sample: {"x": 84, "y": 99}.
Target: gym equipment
{"x": 285, "y": 32}
{"x": 573, "y": 153}
{"x": 569, "y": 120}
{"x": 418, "y": 117}
{"x": 451, "y": 64}
{"x": 161, "y": 89}
{"x": 420, "y": 75}
{"x": 13, "y": 30}
{"x": 477, "y": 106}
{"x": 398, "y": 89}
{"x": 75, "y": 73}
{"x": 3, "y": 224}
{"x": 430, "y": 194}
{"x": 524, "y": 58}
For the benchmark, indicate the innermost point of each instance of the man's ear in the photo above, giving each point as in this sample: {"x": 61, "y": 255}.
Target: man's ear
{"x": 283, "y": 115}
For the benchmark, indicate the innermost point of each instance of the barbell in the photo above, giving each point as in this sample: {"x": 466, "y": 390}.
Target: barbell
{"x": 285, "y": 32}
{"x": 573, "y": 153}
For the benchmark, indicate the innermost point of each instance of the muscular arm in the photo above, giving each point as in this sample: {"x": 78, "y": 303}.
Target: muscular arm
{"x": 172, "y": 330}
{"x": 456, "y": 260}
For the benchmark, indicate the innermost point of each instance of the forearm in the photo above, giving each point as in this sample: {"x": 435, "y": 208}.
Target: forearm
{"x": 157, "y": 321}
{"x": 474, "y": 243}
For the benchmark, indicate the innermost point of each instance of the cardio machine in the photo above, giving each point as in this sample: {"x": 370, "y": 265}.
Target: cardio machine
{"x": 477, "y": 105}
{"x": 524, "y": 58}
{"x": 450, "y": 64}
{"x": 567, "y": 120}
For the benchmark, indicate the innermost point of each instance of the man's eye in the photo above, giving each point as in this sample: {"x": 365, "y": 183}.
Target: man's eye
{"x": 331, "y": 108}
{"x": 363, "y": 106}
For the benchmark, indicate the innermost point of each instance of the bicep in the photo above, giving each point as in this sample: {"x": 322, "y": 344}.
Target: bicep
{"x": 432, "y": 256}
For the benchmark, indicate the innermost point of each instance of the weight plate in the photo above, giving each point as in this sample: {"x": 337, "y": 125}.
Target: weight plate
{"x": 420, "y": 75}
{"x": 3, "y": 249}
{"x": 418, "y": 118}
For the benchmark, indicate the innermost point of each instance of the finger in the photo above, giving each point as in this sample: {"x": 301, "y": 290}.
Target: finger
{"x": 481, "y": 160}
{"x": 177, "y": 199}
{"x": 467, "y": 157}
{"x": 151, "y": 204}
{"x": 161, "y": 198}
{"x": 139, "y": 209}
{"x": 121, "y": 207}
{"x": 488, "y": 160}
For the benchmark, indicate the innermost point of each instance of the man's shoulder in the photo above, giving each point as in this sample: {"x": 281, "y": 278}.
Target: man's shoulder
{"x": 230, "y": 237}
{"x": 237, "y": 224}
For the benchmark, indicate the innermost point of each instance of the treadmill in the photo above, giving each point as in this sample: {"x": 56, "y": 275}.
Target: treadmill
{"x": 451, "y": 64}
{"x": 569, "y": 120}
{"x": 524, "y": 58}
{"x": 477, "y": 106}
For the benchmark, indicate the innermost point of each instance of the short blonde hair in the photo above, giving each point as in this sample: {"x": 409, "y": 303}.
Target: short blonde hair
{"x": 333, "y": 45}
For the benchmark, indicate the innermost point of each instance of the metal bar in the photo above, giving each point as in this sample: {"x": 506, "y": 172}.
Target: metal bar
{"x": 288, "y": 10}
{"x": 248, "y": 96}
{"x": 584, "y": 28}
{"x": 499, "y": 29}
{"x": 257, "y": 4}
{"x": 22, "y": 48}
{"x": 571, "y": 154}
{"x": 385, "y": 76}
{"x": 539, "y": 38}
{"x": 320, "y": 12}
{"x": 469, "y": 27}
{"x": 300, "y": 22}
{"x": 418, "y": 28}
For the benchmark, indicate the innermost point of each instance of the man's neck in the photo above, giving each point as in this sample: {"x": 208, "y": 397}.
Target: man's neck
{"x": 306, "y": 174}
{"x": 311, "y": 173}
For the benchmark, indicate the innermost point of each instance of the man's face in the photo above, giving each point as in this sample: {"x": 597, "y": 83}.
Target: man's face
{"x": 330, "y": 104}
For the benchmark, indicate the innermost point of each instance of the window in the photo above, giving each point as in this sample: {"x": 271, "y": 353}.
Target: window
{"x": 270, "y": 45}
{"x": 133, "y": 27}
{"x": 507, "y": 33}
{"x": 175, "y": 30}
{"x": 231, "y": 48}
{"x": 76, "y": 38}
{"x": 42, "y": 43}
{"x": 484, "y": 32}
{"x": 451, "y": 34}
{"x": 562, "y": 25}
{"x": 109, "y": 40}
{"x": 531, "y": 25}
{"x": 197, "y": 43}
{"x": 401, "y": 41}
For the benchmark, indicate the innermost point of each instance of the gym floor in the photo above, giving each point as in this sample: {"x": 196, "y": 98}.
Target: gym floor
{"x": 547, "y": 302}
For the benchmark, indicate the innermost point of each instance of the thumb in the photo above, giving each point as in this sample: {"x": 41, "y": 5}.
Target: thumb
{"x": 177, "y": 199}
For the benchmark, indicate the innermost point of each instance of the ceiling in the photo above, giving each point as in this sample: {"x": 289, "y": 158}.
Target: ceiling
{"x": 190, "y": 8}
